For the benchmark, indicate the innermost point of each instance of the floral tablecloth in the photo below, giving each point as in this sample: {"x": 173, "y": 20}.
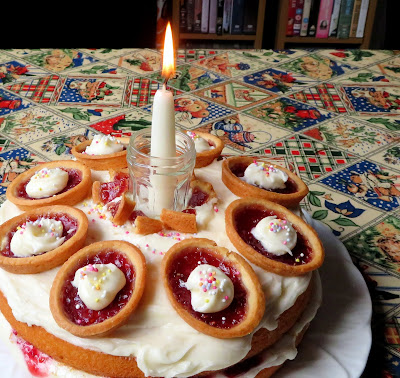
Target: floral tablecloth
{"x": 331, "y": 116}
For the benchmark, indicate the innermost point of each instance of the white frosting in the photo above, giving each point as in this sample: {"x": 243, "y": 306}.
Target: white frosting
{"x": 277, "y": 236}
{"x": 162, "y": 343}
{"x": 46, "y": 183}
{"x": 200, "y": 144}
{"x": 37, "y": 237}
{"x": 103, "y": 145}
{"x": 264, "y": 176}
{"x": 211, "y": 289}
{"x": 98, "y": 284}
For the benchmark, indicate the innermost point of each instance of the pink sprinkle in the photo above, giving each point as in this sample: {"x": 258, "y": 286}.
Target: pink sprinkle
{"x": 285, "y": 242}
{"x": 93, "y": 220}
{"x": 226, "y": 297}
{"x": 205, "y": 290}
{"x": 79, "y": 321}
{"x": 39, "y": 225}
{"x": 126, "y": 232}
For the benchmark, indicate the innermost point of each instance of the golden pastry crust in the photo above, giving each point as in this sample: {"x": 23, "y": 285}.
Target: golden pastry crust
{"x": 243, "y": 189}
{"x": 204, "y": 186}
{"x": 255, "y": 295}
{"x": 68, "y": 198}
{"x": 78, "y": 260}
{"x": 146, "y": 225}
{"x": 50, "y": 259}
{"x": 301, "y": 227}
{"x": 207, "y": 157}
{"x": 124, "y": 210}
{"x": 113, "y": 161}
{"x": 178, "y": 221}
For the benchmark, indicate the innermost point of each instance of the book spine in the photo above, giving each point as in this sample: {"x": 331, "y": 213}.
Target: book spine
{"x": 237, "y": 17}
{"x": 226, "y": 21}
{"x": 306, "y": 18}
{"x": 204, "y": 16}
{"x": 190, "y": 15}
{"x": 355, "y": 18}
{"x": 197, "y": 16}
{"x": 212, "y": 18}
{"x": 298, "y": 16}
{"x": 291, "y": 15}
{"x": 334, "y": 18}
{"x": 324, "y": 18}
{"x": 362, "y": 19}
{"x": 312, "y": 24}
{"x": 220, "y": 16}
{"x": 346, "y": 13}
{"x": 182, "y": 17}
{"x": 250, "y": 17}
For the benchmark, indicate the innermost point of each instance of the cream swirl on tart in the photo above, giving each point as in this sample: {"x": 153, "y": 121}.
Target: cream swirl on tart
{"x": 200, "y": 144}
{"x": 211, "y": 289}
{"x": 265, "y": 176}
{"x": 104, "y": 145}
{"x": 34, "y": 238}
{"x": 47, "y": 182}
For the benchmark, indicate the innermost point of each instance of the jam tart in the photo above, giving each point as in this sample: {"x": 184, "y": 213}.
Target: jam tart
{"x": 290, "y": 248}
{"x": 233, "y": 169}
{"x": 206, "y": 157}
{"x": 76, "y": 189}
{"x": 246, "y": 301}
{"x": 115, "y": 161}
{"x": 83, "y": 319}
{"x": 70, "y": 239}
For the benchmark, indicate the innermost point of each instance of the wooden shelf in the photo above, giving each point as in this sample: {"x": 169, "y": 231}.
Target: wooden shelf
{"x": 281, "y": 39}
{"x": 256, "y": 38}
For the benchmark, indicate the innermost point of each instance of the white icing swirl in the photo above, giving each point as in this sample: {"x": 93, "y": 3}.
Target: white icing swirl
{"x": 46, "y": 183}
{"x": 37, "y": 237}
{"x": 200, "y": 144}
{"x": 211, "y": 289}
{"x": 265, "y": 176}
{"x": 103, "y": 145}
{"x": 277, "y": 236}
{"x": 98, "y": 284}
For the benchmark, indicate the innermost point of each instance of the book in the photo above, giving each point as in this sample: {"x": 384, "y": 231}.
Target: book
{"x": 306, "y": 18}
{"x": 346, "y": 13}
{"x": 312, "y": 23}
{"x": 182, "y": 17}
{"x": 334, "y": 18}
{"x": 362, "y": 19}
{"x": 226, "y": 19}
{"x": 237, "y": 16}
{"x": 197, "y": 16}
{"x": 204, "y": 16}
{"x": 324, "y": 18}
{"x": 298, "y": 17}
{"x": 220, "y": 15}
{"x": 212, "y": 18}
{"x": 250, "y": 17}
{"x": 189, "y": 15}
{"x": 291, "y": 15}
{"x": 354, "y": 18}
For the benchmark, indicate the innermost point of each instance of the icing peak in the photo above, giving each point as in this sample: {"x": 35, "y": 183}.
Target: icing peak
{"x": 265, "y": 176}
{"x": 47, "y": 182}
{"x": 103, "y": 145}
{"x": 200, "y": 144}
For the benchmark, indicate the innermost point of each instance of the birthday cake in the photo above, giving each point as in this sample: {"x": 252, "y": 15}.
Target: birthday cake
{"x": 199, "y": 303}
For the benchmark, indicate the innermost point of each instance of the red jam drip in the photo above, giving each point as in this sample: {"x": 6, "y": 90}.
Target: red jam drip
{"x": 113, "y": 207}
{"x": 189, "y": 211}
{"x": 70, "y": 225}
{"x": 198, "y": 197}
{"x": 179, "y": 271}
{"x": 115, "y": 188}
{"x": 247, "y": 218}
{"x": 36, "y": 361}
{"x": 291, "y": 187}
{"x": 84, "y": 316}
{"x": 135, "y": 214}
{"x": 74, "y": 178}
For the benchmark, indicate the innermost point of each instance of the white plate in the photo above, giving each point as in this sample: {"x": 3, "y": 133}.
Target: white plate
{"x": 339, "y": 338}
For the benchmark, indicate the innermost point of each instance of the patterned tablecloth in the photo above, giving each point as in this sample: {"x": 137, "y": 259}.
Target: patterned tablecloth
{"x": 331, "y": 116}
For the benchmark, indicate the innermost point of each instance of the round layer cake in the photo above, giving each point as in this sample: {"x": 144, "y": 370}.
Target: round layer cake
{"x": 156, "y": 341}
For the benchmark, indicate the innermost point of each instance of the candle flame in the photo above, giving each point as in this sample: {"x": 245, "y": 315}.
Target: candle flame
{"x": 168, "y": 68}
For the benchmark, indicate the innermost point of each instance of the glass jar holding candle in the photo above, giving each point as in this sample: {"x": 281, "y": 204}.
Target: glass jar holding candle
{"x": 160, "y": 182}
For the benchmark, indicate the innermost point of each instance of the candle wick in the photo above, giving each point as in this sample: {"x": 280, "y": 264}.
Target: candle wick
{"x": 165, "y": 82}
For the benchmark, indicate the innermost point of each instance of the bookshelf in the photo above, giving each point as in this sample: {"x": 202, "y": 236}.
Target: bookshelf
{"x": 180, "y": 38}
{"x": 281, "y": 40}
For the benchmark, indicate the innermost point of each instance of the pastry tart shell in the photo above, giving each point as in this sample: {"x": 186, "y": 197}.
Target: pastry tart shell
{"x": 136, "y": 258}
{"x": 207, "y": 157}
{"x": 255, "y": 296}
{"x": 113, "y": 161}
{"x": 243, "y": 189}
{"x": 69, "y": 198}
{"x": 50, "y": 259}
{"x": 283, "y": 269}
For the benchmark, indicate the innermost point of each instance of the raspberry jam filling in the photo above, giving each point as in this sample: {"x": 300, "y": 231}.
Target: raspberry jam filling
{"x": 74, "y": 178}
{"x": 198, "y": 197}
{"x": 135, "y": 214}
{"x": 247, "y": 218}
{"x": 179, "y": 271}
{"x": 77, "y": 311}
{"x": 115, "y": 188}
{"x": 113, "y": 207}
{"x": 70, "y": 225}
{"x": 291, "y": 187}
